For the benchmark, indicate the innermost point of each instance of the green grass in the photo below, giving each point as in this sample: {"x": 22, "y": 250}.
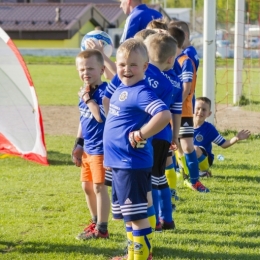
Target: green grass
{"x": 43, "y": 209}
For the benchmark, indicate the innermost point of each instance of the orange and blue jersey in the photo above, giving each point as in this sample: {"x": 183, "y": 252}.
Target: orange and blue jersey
{"x": 186, "y": 71}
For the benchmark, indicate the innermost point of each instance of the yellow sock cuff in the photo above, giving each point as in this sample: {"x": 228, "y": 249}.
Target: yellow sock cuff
{"x": 171, "y": 178}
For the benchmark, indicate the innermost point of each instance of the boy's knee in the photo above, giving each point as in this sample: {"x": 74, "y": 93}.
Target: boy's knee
{"x": 99, "y": 187}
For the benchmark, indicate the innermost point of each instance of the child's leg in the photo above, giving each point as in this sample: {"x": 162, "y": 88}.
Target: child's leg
{"x": 130, "y": 187}
{"x": 204, "y": 162}
{"x": 90, "y": 198}
{"x": 103, "y": 206}
{"x": 142, "y": 236}
{"x": 171, "y": 177}
{"x": 151, "y": 215}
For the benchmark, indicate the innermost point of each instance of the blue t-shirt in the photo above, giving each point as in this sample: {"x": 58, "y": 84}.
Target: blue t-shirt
{"x": 138, "y": 19}
{"x": 130, "y": 108}
{"x": 164, "y": 90}
{"x": 176, "y": 106}
{"x": 207, "y": 134}
{"x": 191, "y": 52}
{"x": 92, "y": 131}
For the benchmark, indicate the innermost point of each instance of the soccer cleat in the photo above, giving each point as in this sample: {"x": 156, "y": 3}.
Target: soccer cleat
{"x": 205, "y": 173}
{"x": 198, "y": 186}
{"x": 158, "y": 228}
{"x": 150, "y": 257}
{"x": 168, "y": 225}
{"x": 90, "y": 227}
{"x": 92, "y": 234}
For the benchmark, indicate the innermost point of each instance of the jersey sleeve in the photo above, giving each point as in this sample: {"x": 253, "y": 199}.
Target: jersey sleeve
{"x": 150, "y": 103}
{"x": 112, "y": 86}
{"x": 217, "y": 138}
{"x": 187, "y": 71}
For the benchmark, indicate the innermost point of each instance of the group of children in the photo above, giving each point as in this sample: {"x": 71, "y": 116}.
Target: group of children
{"x": 134, "y": 124}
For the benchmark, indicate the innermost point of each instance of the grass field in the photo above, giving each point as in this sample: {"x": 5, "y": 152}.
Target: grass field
{"x": 43, "y": 208}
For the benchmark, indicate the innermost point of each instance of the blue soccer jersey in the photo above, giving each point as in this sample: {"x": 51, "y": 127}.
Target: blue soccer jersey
{"x": 207, "y": 134}
{"x": 130, "y": 108}
{"x": 191, "y": 52}
{"x": 176, "y": 106}
{"x": 92, "y": 131}
{"x": 164, "y": 90}
{"x": 112, "y": 86}
{"x": 138, "y": 19}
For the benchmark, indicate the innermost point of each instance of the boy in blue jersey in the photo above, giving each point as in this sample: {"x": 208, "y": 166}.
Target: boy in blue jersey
{"x": 135, "y": 114}
{"x": 162, "y": 49}
{"x": 205, "y": 134}
{"x": 186, "y": 71}
{"x": 88, "y": 150}
{"x": 139, "y": 15}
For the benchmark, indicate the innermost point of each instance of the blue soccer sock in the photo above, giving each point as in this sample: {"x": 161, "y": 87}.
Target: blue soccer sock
{"x": 156, "y": 204}
{"x": 193, "y": 166}
{"x": 166, "y": 204}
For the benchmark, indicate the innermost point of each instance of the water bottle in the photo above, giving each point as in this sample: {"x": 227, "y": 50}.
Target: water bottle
{"x": 221, "y": 157}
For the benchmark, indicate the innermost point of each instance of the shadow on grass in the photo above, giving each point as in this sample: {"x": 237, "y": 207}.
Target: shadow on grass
{"x": 182, "y": 254}
{"x": 84, "y": 247}
{"x": 56, "y": 158}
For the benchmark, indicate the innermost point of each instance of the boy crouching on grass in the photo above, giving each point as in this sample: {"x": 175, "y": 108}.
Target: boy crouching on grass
{"x": 88, "y": 150}
{"x": 135, "y": 114}
{"x": 205, "y": 134}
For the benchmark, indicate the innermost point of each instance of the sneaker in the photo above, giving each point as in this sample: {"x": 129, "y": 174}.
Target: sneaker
{"x": 92, "y": 234}
{"x": 173, "y": 207}
{"x": 205, "y": 173}
{"x": 158, "y": 228}
{"x": 90, "y": 227}
{"x": 168, "y": 225}
{"x": 198, "y": 186}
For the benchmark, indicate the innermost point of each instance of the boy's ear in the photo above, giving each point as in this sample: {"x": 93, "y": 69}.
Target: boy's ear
{"x": 102, "y": 70}
{"x": 171, "y": 59}
{"x": 146, "y": 66}
{"x": 209, "y": 113}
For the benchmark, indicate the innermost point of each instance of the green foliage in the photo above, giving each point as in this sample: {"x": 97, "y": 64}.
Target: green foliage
{"x": 43, "y": 209}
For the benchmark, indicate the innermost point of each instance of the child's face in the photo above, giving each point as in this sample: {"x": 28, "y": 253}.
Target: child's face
{"x": 90, "y": 70}
{"x": 130, "y": 69}
{"x": 202, "y": 110}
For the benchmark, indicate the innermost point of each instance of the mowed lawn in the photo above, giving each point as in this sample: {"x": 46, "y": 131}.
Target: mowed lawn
{"x": 43, "y": 208}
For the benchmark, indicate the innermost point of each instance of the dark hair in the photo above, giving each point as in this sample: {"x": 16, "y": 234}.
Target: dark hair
{"x": 204, "y": 99}
{"x": 177, "y": 34}
{"x": 180, "y": 24}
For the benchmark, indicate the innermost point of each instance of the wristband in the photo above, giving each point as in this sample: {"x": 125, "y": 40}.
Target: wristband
{"x": 79, "y": 141}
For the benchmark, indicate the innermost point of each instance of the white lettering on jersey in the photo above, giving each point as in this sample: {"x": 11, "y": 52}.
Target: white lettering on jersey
{"x": 152, "y": 82}
{"x": 176, "y": 84}
{"x": 114, "y": 110}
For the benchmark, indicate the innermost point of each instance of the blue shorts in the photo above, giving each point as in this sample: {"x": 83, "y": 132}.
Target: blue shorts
{"x": 129, "y": 193}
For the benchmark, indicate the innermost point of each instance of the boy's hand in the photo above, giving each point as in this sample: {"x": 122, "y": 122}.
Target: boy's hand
{"x": 175, "y": 144}
{"x": 77, "y": 152}
{"x": 243, "y": 134}
{"x": 85, "y": 93}
{"x": 97, "y": 45}
{"x": 136, "y": 139}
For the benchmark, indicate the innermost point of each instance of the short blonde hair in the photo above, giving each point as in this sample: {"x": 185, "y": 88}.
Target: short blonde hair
{"x": 130, "y": 45}
{"x": 143, "y": 34}
{"x": 89, "y": 53}
{"x": 160, "y": 23}
{"x": 160, "y": 47}
{"x": 180, "y": 24}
